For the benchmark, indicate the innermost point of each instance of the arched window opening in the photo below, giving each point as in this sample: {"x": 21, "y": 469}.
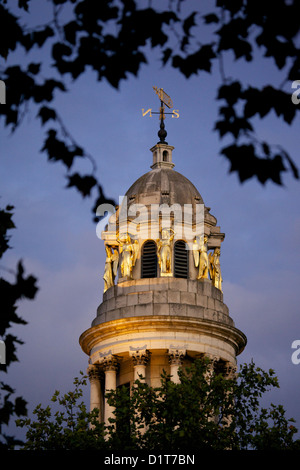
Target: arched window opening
{"x": 165, "y": 156}
{"x": 149, "y": 260}
{"x": 181, "y": 259}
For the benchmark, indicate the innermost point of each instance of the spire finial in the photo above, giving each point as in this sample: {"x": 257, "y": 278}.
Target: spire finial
{"x": 162, "y": 133}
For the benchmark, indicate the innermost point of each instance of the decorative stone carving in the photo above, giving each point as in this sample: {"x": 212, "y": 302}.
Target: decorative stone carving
{"x": 200, "y": 256}
{"x": 94, "y": 372}
{"x": 215, "y": 268}
{"x": 140, "y": 357}
{"x": 110, "y": 362}
{"x": 111, "y": 266}
{"x": 129, "y": 251}
{"x": 164, "y": 249}
{"x": 229, "y": 370}
{"x": 176, "y": 356}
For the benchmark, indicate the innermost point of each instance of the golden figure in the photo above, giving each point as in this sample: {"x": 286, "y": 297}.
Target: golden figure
{"x": 111, "y": 266}
{"x": 129, "y": 253}
{"x": 165, "y": 251}
{"x": 200, "y": 256}
{"x": 215, "y": 268}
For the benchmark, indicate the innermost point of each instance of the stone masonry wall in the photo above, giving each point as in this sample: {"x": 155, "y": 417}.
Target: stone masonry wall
{"x": 163, "y": 296}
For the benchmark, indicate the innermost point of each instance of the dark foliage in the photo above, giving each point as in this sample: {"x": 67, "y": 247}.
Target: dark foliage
{"x": 203, "y": 412}
{"x": 110, "y": 36}
{"x": 11, "y": 293}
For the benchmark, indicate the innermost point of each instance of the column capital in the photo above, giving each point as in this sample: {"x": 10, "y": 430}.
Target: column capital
{"x": 110, "y": 362}
{"x": 211, "y": 357}
{"x": 140, "y": 356}
{"x": 229, "y": 370}
{"x": 176, "y": 356}
{"x": 94, "y": 372}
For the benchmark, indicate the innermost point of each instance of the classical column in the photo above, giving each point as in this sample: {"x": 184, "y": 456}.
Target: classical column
{"x": 175, "y": 358}
{"x": 140, "y": 358}
{"x": 94, "y": 374}
{"x": 110, "y": 366}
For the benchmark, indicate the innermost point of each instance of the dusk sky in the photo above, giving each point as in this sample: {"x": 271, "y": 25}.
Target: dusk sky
{"x": 56, "y": 236}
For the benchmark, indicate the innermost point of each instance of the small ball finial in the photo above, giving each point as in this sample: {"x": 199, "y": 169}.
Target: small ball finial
{"x": 162, "y": 133}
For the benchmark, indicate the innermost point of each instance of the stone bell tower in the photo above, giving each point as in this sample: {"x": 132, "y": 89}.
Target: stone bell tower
{"x": 162, "y": 303}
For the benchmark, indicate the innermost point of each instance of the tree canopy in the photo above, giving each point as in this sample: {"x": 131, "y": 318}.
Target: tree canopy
{"x": 113, "y": 38}
{"x": 23, "y": 287}
{"x": 205, "y": 411}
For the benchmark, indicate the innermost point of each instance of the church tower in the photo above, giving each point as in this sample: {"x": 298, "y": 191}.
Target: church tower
{"x": 162, "y": 303}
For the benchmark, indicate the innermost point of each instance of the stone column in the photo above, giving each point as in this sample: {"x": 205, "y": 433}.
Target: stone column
{"x": 140, "y": 360}
{"x": 94, "y": 374}
{"x": 110, "y": 366}
{"x": 175, "y": 358}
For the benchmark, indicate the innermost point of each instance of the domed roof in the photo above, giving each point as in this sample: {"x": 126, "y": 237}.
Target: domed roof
{"x": 163, "y": 185}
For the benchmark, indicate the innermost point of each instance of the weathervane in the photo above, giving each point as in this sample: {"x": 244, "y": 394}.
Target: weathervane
{"x": 165, "y": 100}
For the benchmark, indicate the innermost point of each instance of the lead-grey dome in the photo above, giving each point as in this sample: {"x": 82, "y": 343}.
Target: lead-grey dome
{"x": 163, "y": 186}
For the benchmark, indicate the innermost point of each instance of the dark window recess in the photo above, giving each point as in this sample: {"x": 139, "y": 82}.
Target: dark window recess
{"x": 149, "y": 260}
{"x": 181, "y": 260}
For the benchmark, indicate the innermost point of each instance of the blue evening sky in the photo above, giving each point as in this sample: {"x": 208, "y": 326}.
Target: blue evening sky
{"x": 57, "y": 240}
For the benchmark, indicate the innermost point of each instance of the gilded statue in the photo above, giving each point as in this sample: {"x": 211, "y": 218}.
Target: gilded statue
{"x": 111, "y": 266}
{"x": 165, "y": 250}
{"x": 215, "y": 268}
{"x": 200, "y": 256}
{"x": 129, "y": 251}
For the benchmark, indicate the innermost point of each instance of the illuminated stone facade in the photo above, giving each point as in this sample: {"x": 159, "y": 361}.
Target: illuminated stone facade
{"x": 162, "y": 306}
